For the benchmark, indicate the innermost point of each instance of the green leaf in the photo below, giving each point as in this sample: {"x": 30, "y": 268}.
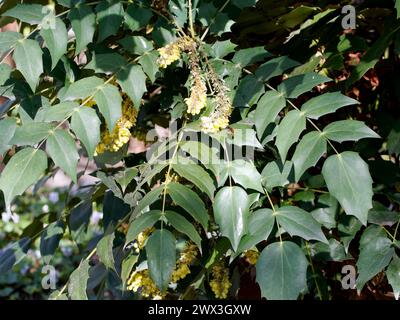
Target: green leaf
{"x": 276, "y": 175}
{"x": 31, "y": 133}
{"x": 136, "y": 44}
{"x": 24, "y": 169}
{"x": 78, "y": 280}
{"x": 227, "y": 70}
{"x": 222, "y": 48}
{"x": 190, "y": 201}
{"x": 282, "y": 271}
{"x": 5, "y": 74}
{"x": 109, "y": 102}
{"x": 147, "y": 200}
{"x": 29, "y": 13}
{"x": 181, "y": 224}
{"x": 373, "y": 55}
{"x": 309, "y": 150}
{"x": 297, "y": 85}
{"x": 106, "y": 63}
{"x": 348, "y": 130}
{"x": 248, "y": 92}
{"x": 56, "y": 40}
{"x": 83, "y": 88}
{"x": 28, "y": 59}
{"x": 243, "y": 135}
{"x": 114, "y": 209}
{"x": 375, "y": 254}
{"x": 231, "y": 210}
{"x": 393, "y": 273}
{"x": 397, "y": 6}
{"x": 261, "y": 223}
{"x": 197, "y": 175}
{"x": 244, "y": 57}
{"x": 161, "y": 257}
{"x": 382, "y": 216}
{"x": 289, "y": 131}
{"x": 268, "y": 108}
{"x": 246, "y": 174}
{"x": 142, "y": 222}
{"x": 393, "y": 140}
{"x": 326, "y": 215}
{"x": 126, "y": 268}
{"x": 137, "y": 17}
{"x": 62, "y": 149}
{"x": 349, "y": 181}
{"x": 109, "y": 16}
{"x": 79, "y": 217}
{"x": 178, "y": 9}
{"x": 206, "y": 155}
{"x": 13, "y": 253}
{"x": 148, "y": 61}
{"x": 50, "y": 239}
{"x": 221, "y": 24}
{"x": 86, "y": 125}
{"x": 83, "y": 22}
{"x": 7, "y": 130}
{"x": 105, "y": 248}
{"x": 348, "y": 227}
{"x": 274, "y": 67}
{"x": 298, "y": 222}
{"x": 125, "y": 177}
{"x": 334, "y": 251}
{"x": 8, "y": 40}
{"x": 58, "y": 112}
{"x": 132, "y": 80}
{"x": 325, "y": 104}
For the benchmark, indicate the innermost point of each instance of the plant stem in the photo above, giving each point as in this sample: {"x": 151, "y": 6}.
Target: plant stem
{"x": 190, "y": 14}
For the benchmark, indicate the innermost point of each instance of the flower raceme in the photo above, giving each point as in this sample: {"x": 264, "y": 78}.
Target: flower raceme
{"x": 251, "y": 256}
{"x": 140, "y": 280}
{"x": 196, "y": 102}
{"x": 142, "y": 238}
{"x": 121, "y": 133}
{"x": 187, "y": 257}
{"x": 220, "y": 283}
{"x": 198, "y": 97}
{"x": 169, "y": 54}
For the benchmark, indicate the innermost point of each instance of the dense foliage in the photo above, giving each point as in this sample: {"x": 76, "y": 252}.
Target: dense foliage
{"x": 239, "y": 148}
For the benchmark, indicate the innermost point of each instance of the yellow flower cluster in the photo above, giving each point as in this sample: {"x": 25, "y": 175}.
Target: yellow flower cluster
{"x": 141, "y": 239}
{"x": 121, "y": 133}
{"x": 172, "y": 51}
{"x": 188, "y": 255}
{"x": 141, "y": 282}
{"x": 220, "y": 283}
{"x": 169, "y": 54}
{"x": 251, "y": 256}
{"x": 219, "y": 118}
{"x": 198, "y": 96}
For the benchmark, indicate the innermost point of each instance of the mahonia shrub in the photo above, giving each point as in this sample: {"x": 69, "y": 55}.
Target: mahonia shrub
{"x": 211, "y": 162}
